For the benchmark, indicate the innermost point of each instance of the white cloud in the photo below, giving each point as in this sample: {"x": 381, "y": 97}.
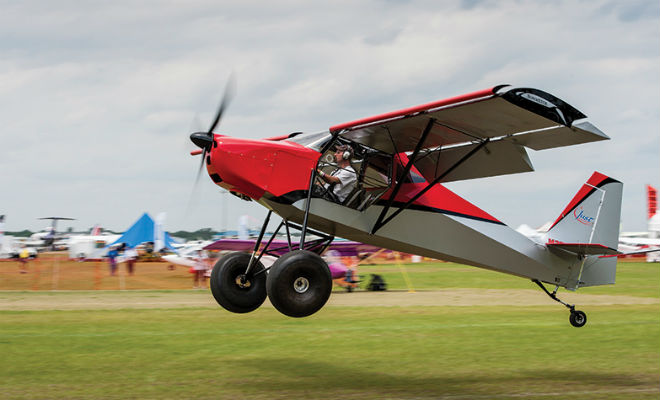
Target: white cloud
{"x": 97, "y": 99}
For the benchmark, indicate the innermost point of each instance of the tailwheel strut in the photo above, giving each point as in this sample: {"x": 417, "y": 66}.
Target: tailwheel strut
{"x": 577, "y": 318}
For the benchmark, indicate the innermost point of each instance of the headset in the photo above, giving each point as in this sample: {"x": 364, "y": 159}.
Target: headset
{"x": 347, "y": 154}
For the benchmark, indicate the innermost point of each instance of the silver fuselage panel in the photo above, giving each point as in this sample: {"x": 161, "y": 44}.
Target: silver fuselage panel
{"x": 479, "y": 243}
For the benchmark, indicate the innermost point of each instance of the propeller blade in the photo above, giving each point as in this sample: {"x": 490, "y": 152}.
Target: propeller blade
{"x": 226, "y": 99}
{"x": 204, "y": 140}
{"x": 194, "y": 193}
{"x": 201, "y": 167}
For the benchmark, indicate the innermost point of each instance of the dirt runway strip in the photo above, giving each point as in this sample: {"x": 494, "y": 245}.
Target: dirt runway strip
{"x": 108, "y": 300}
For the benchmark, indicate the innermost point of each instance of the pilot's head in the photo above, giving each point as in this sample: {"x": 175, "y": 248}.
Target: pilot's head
{"x": 343, "y": 152}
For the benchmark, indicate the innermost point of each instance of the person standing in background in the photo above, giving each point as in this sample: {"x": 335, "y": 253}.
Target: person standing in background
{"x": 23, "y": 257}
{"x": 199, "y": 277}
{"x": 131, "y": 258}
{"x": 112, "y": 260}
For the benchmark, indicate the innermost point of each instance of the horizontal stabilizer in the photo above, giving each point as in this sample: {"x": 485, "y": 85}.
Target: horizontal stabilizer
{"x": 584, "y": 249}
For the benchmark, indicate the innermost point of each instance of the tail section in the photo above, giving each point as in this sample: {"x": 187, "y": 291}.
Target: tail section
{"x": 96, "y": 230}
{"x": 592, "y": 216}
{"x": 589, "y": 228}
{"x": 652, "y": 200}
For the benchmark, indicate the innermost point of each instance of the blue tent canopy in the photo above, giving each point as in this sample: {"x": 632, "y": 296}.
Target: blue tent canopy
{"x": 143, "y": 230}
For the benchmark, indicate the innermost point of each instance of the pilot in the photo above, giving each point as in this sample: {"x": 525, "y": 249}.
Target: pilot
{"x": 343, "y": 179}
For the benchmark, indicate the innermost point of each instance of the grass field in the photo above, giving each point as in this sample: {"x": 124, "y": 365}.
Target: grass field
{"x": 193, "y": 349}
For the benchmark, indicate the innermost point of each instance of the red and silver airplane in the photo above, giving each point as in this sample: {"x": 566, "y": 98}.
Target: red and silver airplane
{"x": 396, "y": 164}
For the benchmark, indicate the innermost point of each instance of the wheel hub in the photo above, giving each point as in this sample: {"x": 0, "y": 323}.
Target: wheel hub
{"x": 243, "y": 282}
{"x": 301, "y": 284}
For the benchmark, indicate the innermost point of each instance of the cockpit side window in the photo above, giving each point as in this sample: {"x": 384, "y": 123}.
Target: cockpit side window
{"x": 375, "y": 178}
{"x": 372, "y": 169}
{"x": 338, "y": 167}
{"x": 411, "y": 177}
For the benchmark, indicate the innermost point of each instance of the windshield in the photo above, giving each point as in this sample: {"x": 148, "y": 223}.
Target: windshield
{"x": 313, "y": 141}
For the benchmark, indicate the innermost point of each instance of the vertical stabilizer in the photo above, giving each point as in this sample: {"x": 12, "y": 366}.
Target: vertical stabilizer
{"x": 96, "y": 230}
{"x": 652, "y": 200}
{"x": 592, "y": 216}
{"x": 589, "y": 227}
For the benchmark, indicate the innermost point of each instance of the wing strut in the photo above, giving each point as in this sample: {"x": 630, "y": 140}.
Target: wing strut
{"x": 380, "y": 222}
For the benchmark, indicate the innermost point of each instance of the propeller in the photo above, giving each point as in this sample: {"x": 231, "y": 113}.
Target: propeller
{"x": 204, "y": 140}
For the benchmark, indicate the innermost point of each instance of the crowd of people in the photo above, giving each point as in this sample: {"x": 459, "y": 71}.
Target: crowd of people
{"x": 122, "y": 253}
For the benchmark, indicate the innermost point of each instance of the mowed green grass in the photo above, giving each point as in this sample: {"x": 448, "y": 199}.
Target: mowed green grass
{"x": 343, "y": 352}
{"x": 633, "y": 278}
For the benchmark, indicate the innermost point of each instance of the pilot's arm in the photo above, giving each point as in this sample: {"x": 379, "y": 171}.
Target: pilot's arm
{"x": 328, "y": 178}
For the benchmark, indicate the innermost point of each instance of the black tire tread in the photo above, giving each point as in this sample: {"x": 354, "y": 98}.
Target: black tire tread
{"x": 279, "y": 285}
{"x": 227, "y": 293}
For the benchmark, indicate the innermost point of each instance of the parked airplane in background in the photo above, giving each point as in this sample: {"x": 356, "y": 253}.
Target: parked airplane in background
{"x": 646, "y": 242}
{"x": 276, "y": 248}
{"x": 92, "y": 246}
{"x": 187, "y": 254}
{"x": 190, "y": 254}
{"x": 11, "y": 246}
{"x": 49, "y": 238}
{"x": 378, "y": 180}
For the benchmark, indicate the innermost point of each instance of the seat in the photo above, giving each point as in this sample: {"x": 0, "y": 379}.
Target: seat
{"x": 354, "y": 198}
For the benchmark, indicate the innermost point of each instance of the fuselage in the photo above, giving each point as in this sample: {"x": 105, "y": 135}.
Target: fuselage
{"x": 439, "y": 224}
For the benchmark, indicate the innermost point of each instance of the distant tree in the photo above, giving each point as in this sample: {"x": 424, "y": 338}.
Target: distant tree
{"x": 23, "y": 233}
{"x": 205, "y": 233}
{"x": 200, "y": 234}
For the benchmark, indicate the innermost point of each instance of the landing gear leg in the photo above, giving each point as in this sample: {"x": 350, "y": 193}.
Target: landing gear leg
{"x": 577, "y": 318}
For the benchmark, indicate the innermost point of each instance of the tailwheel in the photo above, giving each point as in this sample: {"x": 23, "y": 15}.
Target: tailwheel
{"x": 578, "y": 318}
{"x": 299, "y": 283}
{"x": 233, "y": 289}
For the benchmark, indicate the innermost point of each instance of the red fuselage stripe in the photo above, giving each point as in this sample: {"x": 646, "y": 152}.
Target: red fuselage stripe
{"x": 596, "y": 179}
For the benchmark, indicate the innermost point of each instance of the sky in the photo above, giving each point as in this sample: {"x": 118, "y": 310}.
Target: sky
{"x": 98, "y": 98}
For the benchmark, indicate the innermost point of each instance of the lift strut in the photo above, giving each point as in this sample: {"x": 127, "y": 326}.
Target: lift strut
{"x": 381, "y": 218}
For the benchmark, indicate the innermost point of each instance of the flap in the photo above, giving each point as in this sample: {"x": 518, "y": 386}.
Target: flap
{"x": 496, "y": 158}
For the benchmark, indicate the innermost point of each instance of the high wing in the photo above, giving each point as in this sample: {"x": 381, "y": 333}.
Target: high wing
{"x": 491, "y": 127}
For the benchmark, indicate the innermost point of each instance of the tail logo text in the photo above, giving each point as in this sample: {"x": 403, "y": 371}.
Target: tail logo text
{"x": 582, "y": 218}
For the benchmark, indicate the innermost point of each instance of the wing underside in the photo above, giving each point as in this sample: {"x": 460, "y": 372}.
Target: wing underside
{"x": 502, "y": 121}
